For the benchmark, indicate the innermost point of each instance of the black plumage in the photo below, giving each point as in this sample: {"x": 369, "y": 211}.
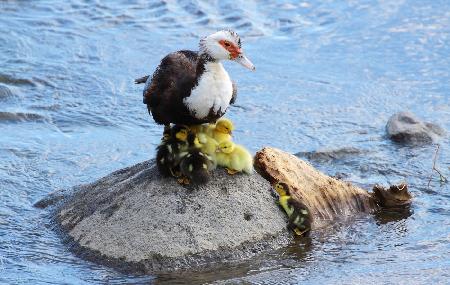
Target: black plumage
{"x": 174, "y": 79}
{"x": 300, "y": 219}
{"x": 169, "y": 152}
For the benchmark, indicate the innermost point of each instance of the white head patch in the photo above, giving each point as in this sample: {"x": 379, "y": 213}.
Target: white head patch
{"x": 211, "y": 45}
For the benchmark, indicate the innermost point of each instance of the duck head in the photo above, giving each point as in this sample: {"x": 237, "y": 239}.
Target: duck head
{"x": 226, "y": 147}
{"x": 223, "y": 45}
{"x": 224, "y": 126}
{"x": 180, "y": 132}
{"x": 282, "y": 189}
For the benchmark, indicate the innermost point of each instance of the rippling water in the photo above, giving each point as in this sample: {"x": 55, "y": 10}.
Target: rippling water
{"x": 328, "y": 77}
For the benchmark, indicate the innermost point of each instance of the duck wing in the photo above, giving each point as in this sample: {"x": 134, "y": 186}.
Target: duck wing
{"x": 141, "y": 79}
{"x": 175, "y": 76}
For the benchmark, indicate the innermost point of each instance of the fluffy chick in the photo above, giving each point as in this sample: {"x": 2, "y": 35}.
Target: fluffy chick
{"x": 195, "y": 166}
{"x": 208, "y": 144}
{"x": 168, "y": 151}
{"x": 166, "y": 133}
{"x": 221, "y": 131}
{"x": 298, "y": 214}
{"x": 234, "y": 157}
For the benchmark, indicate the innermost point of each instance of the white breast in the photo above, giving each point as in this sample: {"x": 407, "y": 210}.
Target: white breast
{"x": 214, "y": 90}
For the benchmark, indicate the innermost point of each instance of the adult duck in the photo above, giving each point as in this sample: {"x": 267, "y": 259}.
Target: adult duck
{"x": 190, "y": 87}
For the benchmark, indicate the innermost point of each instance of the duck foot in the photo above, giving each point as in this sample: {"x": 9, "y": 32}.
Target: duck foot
{"x": 184, "y": 181}
{"x": 175, "y": 174}
{"x": 231, "y": 171}
{"x": 298, "y": 232}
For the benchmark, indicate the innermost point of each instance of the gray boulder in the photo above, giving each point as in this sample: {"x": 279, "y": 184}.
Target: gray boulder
{"x": 137, "y": 220}
{"x": 405, "y": 127}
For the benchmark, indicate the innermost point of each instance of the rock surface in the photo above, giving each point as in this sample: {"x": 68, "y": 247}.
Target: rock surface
{"x": 405, "y": 127}
{"x": 135, "y": 219}
{"x": 327, "y": 198}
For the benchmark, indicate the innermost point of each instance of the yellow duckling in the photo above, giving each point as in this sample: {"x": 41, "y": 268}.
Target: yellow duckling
{"x": 221, "y": 131}
{"x": 235, "y": 158}
{"x": 208, "y": 144}
{"x": 298, "y": 214}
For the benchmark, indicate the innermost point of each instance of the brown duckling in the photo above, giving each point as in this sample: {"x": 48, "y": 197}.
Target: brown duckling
{"x": 195, "y": 166}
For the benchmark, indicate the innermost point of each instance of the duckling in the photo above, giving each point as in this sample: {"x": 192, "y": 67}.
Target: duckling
{"x": 208, "y": 144}
{"x": 198, "y": 128}
{"x": 195, "y": 165}
{"x": 166, "y": 133}
{"x": 299, "y": 215}
{"x": 235, "y": 158}
{"x": 168, "y": 151}
{"x": 222, "y": 130}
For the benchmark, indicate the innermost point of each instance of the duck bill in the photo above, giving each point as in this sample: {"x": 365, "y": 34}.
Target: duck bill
{"x": 245, "y": 62}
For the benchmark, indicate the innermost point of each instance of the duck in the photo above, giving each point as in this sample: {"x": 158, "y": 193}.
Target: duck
{"x": 195, "y": 166}
{"x": 222, "y": 130}
{"x": 297, "y": 212}
{"x": 235, "y": 158}
{"x": 192, "y": 87}
{"x": 168, "y": 152}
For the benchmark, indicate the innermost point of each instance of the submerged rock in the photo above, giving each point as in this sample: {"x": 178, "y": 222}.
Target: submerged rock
{"x": 135, "y": 219}
{"x": 405, "y": 127}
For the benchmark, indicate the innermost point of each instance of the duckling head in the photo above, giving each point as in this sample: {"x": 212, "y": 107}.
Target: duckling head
{"x": 282, "y": 189}
{"x": 226, "y": 147}
{"x": 224, "y": 126}
{"x": 166, "y": 133}
{"x": 181, "y": 132}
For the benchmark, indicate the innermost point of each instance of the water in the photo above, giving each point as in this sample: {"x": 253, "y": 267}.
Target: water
{"x": 328, "y": 77}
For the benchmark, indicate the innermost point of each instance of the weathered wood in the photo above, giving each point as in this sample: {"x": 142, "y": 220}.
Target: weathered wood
{"x": 326, "y": 197}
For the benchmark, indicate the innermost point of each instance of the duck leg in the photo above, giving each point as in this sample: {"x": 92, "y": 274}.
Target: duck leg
{"x": 184, "y": 180}
{"x": 231, "y": 171}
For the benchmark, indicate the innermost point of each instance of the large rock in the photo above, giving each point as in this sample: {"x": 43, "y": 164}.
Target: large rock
{"x": 405, "y": 127}
{"x": 135, "y": 219}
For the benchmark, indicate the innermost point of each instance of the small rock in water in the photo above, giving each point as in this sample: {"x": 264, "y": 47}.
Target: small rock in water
{"x": 405, "y": 127}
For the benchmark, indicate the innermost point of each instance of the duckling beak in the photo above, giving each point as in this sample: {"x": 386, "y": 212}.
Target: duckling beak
{"x": 244, "y": 61}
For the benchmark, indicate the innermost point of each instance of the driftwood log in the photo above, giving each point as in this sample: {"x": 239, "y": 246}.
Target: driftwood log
{"x": 327, "y": 198}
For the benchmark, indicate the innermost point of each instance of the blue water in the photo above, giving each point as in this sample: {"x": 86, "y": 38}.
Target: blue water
{"x": 328, "y": 76}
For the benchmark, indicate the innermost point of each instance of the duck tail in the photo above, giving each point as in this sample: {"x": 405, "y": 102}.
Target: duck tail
{"x": 141, "y": 79}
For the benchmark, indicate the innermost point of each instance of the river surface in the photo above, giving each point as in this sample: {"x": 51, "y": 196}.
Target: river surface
{"x": 328, "y": 76}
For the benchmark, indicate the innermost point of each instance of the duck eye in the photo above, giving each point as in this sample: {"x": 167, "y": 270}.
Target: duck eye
{"x": 227, "y": 44}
